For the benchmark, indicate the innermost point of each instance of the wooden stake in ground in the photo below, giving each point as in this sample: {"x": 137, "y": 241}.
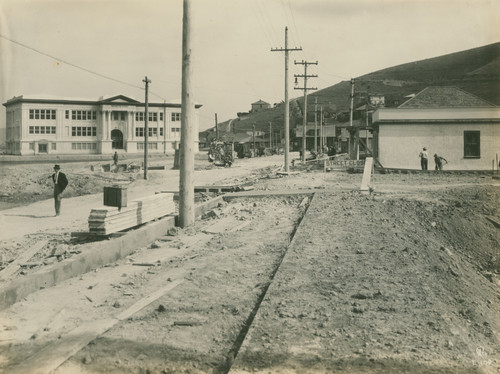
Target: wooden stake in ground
{"x": 188, "y": 128}
{"x": 367, "y": 174}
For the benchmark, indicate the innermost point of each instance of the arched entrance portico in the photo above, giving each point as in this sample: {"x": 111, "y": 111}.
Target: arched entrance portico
{"x": 117, "y": 139}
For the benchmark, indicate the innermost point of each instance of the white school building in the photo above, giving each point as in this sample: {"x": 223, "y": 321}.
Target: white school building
{"x": 42, "y": 125}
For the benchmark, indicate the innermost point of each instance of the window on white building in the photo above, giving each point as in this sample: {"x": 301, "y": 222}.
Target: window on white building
{"x": 153, "y": 116}
{"x": 139, "y": 116}
{"x": 472, "y": 144}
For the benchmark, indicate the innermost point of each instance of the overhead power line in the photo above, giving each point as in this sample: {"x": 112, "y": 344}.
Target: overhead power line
{"x": 75, "y": 66}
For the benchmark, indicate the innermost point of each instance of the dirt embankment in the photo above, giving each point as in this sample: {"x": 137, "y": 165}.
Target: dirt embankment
{"x": 404, "y": 280}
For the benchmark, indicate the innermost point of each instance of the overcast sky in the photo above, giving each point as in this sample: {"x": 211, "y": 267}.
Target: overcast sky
{"x": 233, "y": 65}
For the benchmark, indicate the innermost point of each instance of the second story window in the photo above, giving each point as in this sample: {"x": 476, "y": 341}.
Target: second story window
{"x": 153, "y": 116}
{"x": 42, "y": 114}
{"x": 118, "y": 116}
{"x": 139, "y": 116}
{"x": 176, "y": 117}
{"x": 83, "y": 115}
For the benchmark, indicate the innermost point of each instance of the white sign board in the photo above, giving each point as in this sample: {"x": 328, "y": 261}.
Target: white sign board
{"x": 367, "y": 174}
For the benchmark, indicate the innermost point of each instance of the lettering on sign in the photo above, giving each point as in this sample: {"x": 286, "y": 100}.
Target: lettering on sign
{"x": 344, "y": 163}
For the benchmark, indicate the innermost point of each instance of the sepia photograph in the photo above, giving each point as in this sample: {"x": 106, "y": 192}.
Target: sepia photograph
{"x": 249, "y": 186}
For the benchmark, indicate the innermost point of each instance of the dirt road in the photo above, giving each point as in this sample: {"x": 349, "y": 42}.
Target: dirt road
{"x": 404, "y": 280}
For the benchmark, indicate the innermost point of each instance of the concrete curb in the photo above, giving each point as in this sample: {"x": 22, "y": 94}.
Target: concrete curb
{"x": 93, "y": 256}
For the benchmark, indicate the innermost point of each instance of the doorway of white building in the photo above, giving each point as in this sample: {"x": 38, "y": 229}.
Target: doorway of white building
{"x": 117, "y": 139}
{"x": 42, "y": 148}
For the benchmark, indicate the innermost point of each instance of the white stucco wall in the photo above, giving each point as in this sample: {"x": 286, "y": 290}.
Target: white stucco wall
{"x": 400, "y": 144}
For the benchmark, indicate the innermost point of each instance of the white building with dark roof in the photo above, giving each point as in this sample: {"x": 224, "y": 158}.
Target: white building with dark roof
{"x": 461, "y": 127}
{"x": 259, "y": 105}
{"x": 44, "y": 125}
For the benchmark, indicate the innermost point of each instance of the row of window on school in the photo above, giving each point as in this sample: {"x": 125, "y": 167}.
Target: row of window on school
{"x": 91, "y": 115}
{"x": 92, "y": 130}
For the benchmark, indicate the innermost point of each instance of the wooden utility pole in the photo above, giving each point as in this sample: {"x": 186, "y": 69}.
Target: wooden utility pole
{"x": 253, "y": 136}
{"x": 147, "y": 82}
{"x": 351, "y": 106}
{"x": 164, "y": 126}
{"x": 216, "y": 128}
{"x": 351, "y": 112}
{"x": 287, "y": 102}
{"x": 305, "y": 88}
{"x": 188, "y": 128}
{"x": 270, "y": 135}
{"x": 316, "y": 123}
{"x": 321, "y": 129}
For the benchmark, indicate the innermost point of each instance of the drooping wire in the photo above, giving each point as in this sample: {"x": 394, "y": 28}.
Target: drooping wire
{"x": 69, "y": 63}
{"x": 78, "y": 66}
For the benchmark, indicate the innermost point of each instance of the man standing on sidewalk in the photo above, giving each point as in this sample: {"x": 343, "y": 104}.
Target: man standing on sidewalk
{"x": 60, "y": 183}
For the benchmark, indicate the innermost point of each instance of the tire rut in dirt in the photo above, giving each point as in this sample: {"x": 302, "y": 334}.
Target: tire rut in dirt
{"x": 227, "y": 364}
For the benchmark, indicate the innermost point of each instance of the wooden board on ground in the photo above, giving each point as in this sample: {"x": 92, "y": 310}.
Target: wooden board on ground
{"x": 108, "y": 220}
{"x": 52, "y": 356}
{"x": 6, "y": 273}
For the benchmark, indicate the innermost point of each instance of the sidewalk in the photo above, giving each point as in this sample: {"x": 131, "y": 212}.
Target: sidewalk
{"x": 39, "y": 217}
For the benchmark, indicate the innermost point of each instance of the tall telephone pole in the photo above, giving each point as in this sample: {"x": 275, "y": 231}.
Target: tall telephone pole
{"x": 253, "y": 137}
{"x": 351, "y": 112}
{"x": 147, "y": 82}
{"x": 216, "y": 128}
{"x": 188, "y": 127}
{"x": 270, "y": 135}
{"x": 305, "y": 88}
{"x": 316, "y": 123}
{"x": 287, "y": 102}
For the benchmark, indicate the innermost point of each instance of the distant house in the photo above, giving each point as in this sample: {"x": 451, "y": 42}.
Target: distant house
{"x": 260, "y": 105}
{"x": 448, "y": 121}
{"x": 41, "y": 125}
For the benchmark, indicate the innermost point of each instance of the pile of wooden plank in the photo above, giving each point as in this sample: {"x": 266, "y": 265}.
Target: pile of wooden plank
{"x": 107, "y": 220}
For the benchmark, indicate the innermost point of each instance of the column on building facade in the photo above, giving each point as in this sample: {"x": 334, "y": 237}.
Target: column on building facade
{"x": 24, "y": 130}
{"x": 133, "y": 125}
{"x": 164, "y": 129}
{"x": 108, "y": 115}
{"x": 103, "y": 121}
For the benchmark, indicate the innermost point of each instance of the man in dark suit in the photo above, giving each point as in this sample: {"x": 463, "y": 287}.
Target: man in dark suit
{"x": 60, "y": 183}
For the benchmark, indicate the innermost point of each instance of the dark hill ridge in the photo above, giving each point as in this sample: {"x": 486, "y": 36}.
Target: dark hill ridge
{"x": 448, "y": 67}
{"x": 476, "y": 71}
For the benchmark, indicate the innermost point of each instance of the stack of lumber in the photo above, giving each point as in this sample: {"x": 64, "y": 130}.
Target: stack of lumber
{"x": 107, "y": 220}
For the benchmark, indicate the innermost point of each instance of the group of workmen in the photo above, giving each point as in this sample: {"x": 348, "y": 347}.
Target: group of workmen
{"x": 424, "y": 160}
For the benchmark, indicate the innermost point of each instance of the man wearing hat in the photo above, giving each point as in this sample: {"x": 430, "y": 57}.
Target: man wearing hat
{"x": 424, "y": 159}
{"x": 60, "y": 183}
